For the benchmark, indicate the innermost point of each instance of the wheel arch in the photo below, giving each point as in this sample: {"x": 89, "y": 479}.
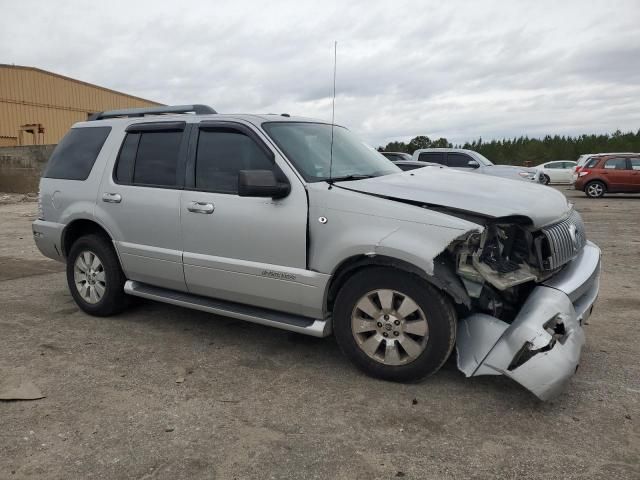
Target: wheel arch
{"x": 78, "y": 228}
{"x": 596, "y": 180}
{"x": 443, "y": 278}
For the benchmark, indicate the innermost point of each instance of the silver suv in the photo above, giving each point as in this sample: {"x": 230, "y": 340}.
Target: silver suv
{"x": 296, "y": 224}
{"x": 474, "y": 162}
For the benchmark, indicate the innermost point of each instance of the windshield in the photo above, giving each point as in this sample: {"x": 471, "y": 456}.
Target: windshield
{"x": 482, "y": 159}
{"x": 308, "y": 147}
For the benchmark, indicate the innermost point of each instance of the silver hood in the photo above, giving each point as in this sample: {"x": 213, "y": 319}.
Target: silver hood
{"x": 480, "y": 194}
{"x": 507, "y": 171}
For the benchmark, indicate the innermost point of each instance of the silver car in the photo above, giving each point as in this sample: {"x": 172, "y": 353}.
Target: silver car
{"x": 474, "y": 162}
{"x": 296, "y": 224}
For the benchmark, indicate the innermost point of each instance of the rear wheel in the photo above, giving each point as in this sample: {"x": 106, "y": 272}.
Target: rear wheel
{"x": 95, "y": 278}
{"x": 394, "y": 325}
{"x": 595, "y": 189}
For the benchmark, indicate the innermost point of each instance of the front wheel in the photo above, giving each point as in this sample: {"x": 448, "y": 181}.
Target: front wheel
{"x": 393, "y": 325}
{"x": 595, "y": 189}
{"x": 545, "y": 179}
{"x": 95, "y": 278}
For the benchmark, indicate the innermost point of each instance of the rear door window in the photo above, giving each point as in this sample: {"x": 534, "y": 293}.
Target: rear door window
{"x": 150, "y": 155}
{"x": 76, "y": 153}
{"x": 616, "y": 164}
{"x": 157, "y": 159}
{"x": 635, "y": 163}
{"x": 433, "y": 157}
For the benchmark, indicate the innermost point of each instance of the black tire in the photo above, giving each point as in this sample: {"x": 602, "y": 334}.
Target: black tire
{"x": 545, "y": 179}
{"x": 113, "y": 300}
{"x": 437, "y": 308}
{"x": 595, "y": 189}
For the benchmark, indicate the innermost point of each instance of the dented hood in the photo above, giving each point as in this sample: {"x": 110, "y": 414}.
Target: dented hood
{"x": 469, "y": 192}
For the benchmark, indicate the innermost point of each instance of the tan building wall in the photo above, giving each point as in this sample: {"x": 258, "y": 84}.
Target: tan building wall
{"x": 38, "y": 107}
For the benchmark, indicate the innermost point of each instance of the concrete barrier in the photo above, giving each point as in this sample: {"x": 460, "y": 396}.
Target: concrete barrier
{"x": 21, "y": 167}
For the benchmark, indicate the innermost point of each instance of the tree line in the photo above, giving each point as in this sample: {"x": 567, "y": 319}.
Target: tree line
{"x": 532, "y": 151}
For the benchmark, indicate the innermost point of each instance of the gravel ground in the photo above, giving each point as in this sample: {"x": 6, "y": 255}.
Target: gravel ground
{"x": 164, "y": 392}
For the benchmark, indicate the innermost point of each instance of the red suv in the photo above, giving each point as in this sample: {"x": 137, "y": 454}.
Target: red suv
{"x": 618, "y": 173}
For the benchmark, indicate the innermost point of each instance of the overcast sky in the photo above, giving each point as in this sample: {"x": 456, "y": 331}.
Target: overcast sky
{"x": 455, "y": 69}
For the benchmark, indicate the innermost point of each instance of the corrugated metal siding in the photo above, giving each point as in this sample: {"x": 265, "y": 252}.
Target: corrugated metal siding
{"x": 32, "y": 96}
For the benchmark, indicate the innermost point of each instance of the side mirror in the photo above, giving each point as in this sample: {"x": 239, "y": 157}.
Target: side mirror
{"x": 473, "y": 164}
{"x": 261, "y": 183}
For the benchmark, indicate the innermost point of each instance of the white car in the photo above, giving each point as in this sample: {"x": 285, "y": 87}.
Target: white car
{"x": 558, "y": 171}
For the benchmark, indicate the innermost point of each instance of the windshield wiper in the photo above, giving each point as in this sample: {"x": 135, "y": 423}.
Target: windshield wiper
{"x": 346, "y": 178}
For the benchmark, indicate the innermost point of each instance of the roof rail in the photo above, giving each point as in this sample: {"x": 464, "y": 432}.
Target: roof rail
{"x": 141, "y": 112}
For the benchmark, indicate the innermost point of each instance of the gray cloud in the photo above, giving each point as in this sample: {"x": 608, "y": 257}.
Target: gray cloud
{"x": 459, "y": 70}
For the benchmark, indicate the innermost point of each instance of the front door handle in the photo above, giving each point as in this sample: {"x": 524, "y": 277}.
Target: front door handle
{"x": 111, "y": 197}
{"x": 201, "y": 207}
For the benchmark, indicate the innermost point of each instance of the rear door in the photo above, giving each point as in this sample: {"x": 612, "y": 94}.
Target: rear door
{"x": 139, "y": 202}
{"x": 616, "y": 173}
{"x": 249, "y": 250}
{"x": 634, "y": 164}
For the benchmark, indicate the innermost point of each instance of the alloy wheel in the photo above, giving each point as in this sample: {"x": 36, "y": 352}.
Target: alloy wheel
{"x": 389, "y": 327}
{"x": 595, "y": 190}
{"x": 89, "y": 277}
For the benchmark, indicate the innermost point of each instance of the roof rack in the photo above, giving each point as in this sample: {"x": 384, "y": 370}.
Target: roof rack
{"x": 141, "y": 112}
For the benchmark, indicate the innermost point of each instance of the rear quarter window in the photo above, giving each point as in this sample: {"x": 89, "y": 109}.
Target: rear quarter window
{"x": 76, "y": 153}
{"x": 591, "y": 163}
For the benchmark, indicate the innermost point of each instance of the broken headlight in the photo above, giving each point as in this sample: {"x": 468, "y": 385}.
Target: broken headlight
{"x": 505, "y": 248}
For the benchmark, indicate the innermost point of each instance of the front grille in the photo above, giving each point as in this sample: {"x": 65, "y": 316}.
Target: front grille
{"x": 565, "y": 240}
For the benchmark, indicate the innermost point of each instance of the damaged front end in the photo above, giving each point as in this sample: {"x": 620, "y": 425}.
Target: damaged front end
{"x": 531, "y": 290}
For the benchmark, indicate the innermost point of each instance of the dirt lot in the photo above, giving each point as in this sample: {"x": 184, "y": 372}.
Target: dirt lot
{"x": 163, "y": 392}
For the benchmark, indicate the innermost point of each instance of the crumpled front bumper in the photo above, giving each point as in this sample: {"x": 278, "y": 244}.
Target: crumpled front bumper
{"x": 541, "y": 348}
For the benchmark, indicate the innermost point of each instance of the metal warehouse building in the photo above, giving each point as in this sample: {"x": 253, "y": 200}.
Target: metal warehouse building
{"x": 38, "y": 107}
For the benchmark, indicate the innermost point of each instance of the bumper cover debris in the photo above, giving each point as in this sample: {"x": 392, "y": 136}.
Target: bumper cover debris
{"x": 541, "y": 348}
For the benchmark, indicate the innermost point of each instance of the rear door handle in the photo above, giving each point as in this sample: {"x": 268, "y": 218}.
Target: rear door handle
{"x": 111, "y": 197}
{"x": 201, "y": 207}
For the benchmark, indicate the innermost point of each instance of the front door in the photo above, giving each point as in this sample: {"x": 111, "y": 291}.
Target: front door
{"x": 460, "y": 160}
{"x": 634, "y": 164}
{"x": 249, "y": 250}
{"x": 554, "y": 171}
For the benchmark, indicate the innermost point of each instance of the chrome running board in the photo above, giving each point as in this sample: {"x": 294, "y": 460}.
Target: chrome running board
{"x": 270, "y": 318}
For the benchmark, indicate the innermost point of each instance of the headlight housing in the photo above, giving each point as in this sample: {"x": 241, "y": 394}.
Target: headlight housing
{"x": 527, "y": 175}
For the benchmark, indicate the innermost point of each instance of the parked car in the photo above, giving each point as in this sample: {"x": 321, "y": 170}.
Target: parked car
{"x": 582, "y": 159}
{"x": 406, "y": 165}
{"x": 296, "y": 224}
{"x": 474, "y": 162}
{"x": 617, "y": 173}
{"x": 397, "y": 156}
{"x": 558, "y": 171}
